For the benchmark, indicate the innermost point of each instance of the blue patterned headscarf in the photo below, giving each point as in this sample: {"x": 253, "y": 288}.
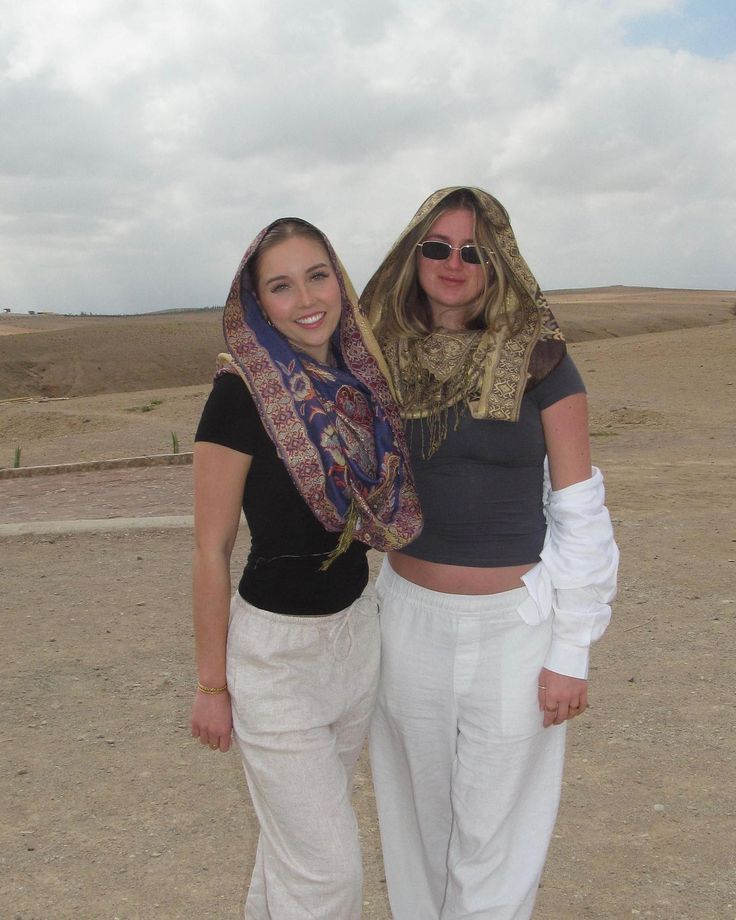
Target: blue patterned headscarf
{"x": 337, "y": 429}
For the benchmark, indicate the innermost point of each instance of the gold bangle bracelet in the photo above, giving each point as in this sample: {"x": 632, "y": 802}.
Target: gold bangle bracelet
{"x": 203, "y": 689}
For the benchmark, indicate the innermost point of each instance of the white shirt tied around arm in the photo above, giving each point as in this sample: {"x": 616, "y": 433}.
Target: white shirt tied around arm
{"x": 576, "y": 578}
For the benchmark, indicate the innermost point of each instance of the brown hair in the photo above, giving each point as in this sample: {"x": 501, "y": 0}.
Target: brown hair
{"x": 282, "y": 230}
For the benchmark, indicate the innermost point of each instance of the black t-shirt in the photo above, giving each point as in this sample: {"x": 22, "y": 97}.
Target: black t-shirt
{"x": 288, "y": 543}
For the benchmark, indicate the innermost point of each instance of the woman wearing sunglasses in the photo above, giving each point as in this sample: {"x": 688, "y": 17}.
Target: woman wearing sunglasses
{"x": 488, "y": 615}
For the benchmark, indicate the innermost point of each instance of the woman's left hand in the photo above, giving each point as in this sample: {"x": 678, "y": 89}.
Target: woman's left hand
{"x": 561, "y": 697}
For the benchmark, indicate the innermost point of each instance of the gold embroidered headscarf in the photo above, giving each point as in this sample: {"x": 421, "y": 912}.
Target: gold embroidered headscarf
{"x": 485, "y": 369}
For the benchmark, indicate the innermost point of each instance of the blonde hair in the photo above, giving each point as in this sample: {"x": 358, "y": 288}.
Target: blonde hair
{"x": 406, "y": 311}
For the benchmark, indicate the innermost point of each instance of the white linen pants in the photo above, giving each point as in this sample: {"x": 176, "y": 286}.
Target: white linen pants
{"x": 467, "y": 779}
{"x": 303, "y": 690}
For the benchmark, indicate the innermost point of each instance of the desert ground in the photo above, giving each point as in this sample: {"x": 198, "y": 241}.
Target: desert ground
{"x": 111, "y": 810}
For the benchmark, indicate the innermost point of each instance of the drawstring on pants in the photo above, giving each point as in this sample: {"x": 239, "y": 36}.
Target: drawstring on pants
{"x": 344, "y": 626}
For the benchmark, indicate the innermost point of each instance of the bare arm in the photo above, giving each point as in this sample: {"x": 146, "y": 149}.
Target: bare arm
{"x": 565, "y": 425}
{"x": 219, "y": 480}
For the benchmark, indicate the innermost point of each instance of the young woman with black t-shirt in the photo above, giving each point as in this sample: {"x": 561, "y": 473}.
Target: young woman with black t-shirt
{"x": 301, "y": 431}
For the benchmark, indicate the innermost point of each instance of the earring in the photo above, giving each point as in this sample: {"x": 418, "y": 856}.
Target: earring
{"x": 263, "y": 312}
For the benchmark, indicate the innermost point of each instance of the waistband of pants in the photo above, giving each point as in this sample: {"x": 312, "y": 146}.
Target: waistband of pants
{"x": 457, "y": 604}
{"x": 326, "y": 621}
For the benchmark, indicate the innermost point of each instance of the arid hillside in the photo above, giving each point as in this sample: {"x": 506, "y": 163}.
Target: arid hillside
{"x": 47, "y": 355}
{"x": 87, "y": 356}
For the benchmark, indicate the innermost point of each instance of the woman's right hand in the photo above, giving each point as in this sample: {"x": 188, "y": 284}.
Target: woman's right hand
{"x": 212, "y": 720}
{"x": 219, "y": 479}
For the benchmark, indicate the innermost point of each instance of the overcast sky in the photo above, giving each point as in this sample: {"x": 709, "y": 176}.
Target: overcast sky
{"x": 145, "y": 142}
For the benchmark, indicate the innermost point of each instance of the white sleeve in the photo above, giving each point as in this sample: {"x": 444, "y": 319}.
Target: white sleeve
{"x": 581, "y": 558}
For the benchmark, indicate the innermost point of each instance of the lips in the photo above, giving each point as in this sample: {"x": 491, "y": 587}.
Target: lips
{"x": 314, "y": 319}
{"x": 453, "y": 281}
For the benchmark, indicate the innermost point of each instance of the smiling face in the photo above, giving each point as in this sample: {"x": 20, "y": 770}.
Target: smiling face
{"x": 451, "y": 285}
{"x": 299, "y": 292}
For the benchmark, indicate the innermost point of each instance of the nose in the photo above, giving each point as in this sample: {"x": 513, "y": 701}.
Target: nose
{"x": 454, "y": 260}
{"x": 305, "y": 295}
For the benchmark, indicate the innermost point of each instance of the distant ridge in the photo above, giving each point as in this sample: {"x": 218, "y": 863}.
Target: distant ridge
{"x": 637, "y": 288}
{"x": 54, "y": 355}
{"x": 622, "y": 310}
{"x": 176, "y": 310}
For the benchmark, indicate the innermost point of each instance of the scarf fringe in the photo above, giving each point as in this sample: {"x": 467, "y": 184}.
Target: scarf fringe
{"x": 346, "y": 537}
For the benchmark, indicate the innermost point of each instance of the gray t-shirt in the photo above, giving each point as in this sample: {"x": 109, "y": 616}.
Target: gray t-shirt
{"x": 481, "y": 492}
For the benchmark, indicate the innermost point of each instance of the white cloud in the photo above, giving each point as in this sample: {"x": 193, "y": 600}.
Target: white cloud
{"x": 146, "y": 143}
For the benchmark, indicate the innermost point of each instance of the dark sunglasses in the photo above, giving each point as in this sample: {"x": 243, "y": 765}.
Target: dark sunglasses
{"x": 438, "y": 251}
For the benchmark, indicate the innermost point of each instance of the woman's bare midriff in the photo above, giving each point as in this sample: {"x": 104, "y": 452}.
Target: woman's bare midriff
{"x": 458, "y": 579}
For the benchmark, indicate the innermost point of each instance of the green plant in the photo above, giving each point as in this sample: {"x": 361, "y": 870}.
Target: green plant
{"x": 174, "y": 442}
{"x": 149, "y": 407}
{"x": 16, "y": 458}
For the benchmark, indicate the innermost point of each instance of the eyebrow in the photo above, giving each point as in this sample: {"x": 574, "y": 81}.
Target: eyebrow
{"x": 286, "y": 277}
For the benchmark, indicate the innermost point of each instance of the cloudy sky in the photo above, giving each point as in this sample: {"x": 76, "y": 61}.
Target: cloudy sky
{"x": 145, "y": 142}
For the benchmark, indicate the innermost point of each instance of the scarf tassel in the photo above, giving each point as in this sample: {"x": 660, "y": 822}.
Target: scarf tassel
{"x": 346, "y": 537}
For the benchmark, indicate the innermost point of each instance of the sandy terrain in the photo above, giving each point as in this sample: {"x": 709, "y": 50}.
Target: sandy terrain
{"x": 111, "y": 811}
